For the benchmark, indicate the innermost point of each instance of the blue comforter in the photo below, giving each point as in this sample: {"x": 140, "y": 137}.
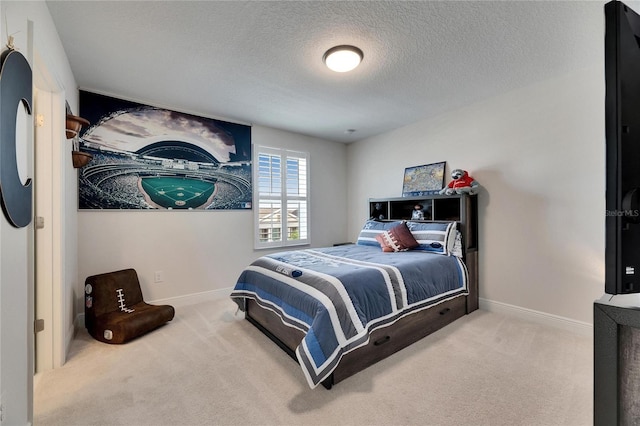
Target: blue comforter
{"x": 337, "y": 295}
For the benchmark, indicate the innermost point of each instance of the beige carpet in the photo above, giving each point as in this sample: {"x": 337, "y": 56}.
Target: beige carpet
{"x": 209, "y": 367}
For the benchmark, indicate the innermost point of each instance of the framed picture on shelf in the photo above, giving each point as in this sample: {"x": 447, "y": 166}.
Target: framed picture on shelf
{"x": 423, "y": 180}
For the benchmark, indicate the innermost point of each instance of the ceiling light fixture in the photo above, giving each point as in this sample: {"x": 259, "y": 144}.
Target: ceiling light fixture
{"x": 342, "y": 58}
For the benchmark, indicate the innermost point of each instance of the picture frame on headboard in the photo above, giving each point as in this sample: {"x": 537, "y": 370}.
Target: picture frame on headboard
{"x": 423, "y": 180}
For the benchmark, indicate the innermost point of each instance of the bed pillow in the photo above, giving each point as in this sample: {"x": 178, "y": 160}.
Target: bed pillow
{"x": 370, "y": 229}
{"x": 398, "y": 238}
{"x": 434, "y": 237}
{"x": 457, "y": 245}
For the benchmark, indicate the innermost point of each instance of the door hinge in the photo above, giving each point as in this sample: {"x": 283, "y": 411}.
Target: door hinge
{"x": 39, "y": 222}
{"x": 38, "y": 325}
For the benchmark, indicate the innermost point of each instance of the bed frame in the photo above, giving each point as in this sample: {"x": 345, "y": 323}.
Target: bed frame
{"x": 404, "y": 332}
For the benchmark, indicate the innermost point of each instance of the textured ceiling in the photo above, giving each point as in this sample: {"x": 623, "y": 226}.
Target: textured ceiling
{"x": 261, "y": 62}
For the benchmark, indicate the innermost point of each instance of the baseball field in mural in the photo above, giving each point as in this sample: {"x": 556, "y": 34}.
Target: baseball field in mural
{"x": 177, "y": 191}
{"x": 148, "y": 158}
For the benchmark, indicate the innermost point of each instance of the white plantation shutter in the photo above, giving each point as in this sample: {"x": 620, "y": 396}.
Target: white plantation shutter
{"x": 282, "y": 197}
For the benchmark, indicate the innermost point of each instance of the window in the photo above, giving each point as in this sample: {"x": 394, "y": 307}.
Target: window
{"x": 282, "y": 197}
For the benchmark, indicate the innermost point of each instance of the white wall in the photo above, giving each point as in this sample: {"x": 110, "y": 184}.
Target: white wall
{"x": 16, "y": 276}
{"x": 205, "y": 251}
{"x": 538, "y": 152}
{"x": 37, "y": 39}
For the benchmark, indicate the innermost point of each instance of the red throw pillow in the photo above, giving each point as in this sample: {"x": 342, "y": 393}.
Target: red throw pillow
{"x": 398, "y": 238}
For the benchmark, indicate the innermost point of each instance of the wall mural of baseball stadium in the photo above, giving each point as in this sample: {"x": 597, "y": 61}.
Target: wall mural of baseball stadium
{"x": 148, "y": 158}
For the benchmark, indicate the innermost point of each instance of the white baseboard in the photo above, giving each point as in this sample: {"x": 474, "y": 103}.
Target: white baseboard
{"x": 78, "y": 323}
{"x": 71, "y": 334}
{"x": 192, "y": 299}
{"x": 176, "y": 302}
{"x": 578, "y": 327}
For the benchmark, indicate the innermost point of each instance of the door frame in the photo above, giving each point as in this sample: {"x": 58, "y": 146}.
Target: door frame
{"x": 49, "y": 143}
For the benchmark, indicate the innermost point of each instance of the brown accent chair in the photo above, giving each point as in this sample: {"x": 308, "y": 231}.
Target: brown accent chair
{"x": 114, "y": 311}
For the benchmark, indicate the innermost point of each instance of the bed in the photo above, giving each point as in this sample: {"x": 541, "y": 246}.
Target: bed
{"x": 340, "y": 309}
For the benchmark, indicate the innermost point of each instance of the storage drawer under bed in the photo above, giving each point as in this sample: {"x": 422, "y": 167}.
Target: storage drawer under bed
{"x": 384, "y": 341}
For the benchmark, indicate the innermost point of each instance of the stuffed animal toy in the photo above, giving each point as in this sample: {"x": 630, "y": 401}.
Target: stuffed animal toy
{"x": 461, "y": 183}
{"x": 417, "y": 213}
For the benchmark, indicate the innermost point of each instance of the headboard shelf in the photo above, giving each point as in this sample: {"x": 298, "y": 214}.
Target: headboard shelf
{"x": 436, "y": 207}
{"x": 461, "y": 208}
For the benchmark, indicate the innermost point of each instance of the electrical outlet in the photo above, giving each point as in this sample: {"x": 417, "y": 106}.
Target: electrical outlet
{"x": 159, "y": 277}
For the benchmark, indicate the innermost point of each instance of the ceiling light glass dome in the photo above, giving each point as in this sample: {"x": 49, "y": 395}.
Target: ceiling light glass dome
{"x": 343, "y": 58}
